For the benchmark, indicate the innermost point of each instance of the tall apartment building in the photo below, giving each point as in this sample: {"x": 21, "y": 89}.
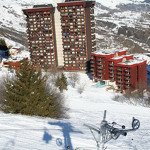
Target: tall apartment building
{"x": 41, "y": 35}
{"x": 119, "y": 69}
{"x": 62, "y": 35}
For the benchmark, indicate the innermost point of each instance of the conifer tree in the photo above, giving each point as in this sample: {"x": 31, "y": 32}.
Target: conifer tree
{"x": 64, "y": 80}
{"x": 61, "y": 83}
{"x": 27, "y": 94}
{"x": 3, "y": 45}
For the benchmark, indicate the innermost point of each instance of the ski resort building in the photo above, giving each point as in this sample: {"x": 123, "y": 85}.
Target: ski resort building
{"x": 119, "y": 69}
{"x": 61, "y": 35}
{"x": 14, "y": 63}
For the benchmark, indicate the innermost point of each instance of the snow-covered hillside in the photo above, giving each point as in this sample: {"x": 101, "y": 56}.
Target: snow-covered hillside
{"x": 113, "y": 3}
{"x": 33, "y": 133}
{"x": 12, "y": 18}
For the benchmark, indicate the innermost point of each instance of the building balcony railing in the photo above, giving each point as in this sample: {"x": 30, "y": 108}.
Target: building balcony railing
{"x": 127, "y": 79}
{"x": 111, "y": 72}
{"x": 126, "y": 70}
{"x": 99, "y": 59}
{"x": 128, "y": 83}
{"x": 119, "y": 77}
{"x": 127, "y": 75}
{"x": 99, "y": 68}
{"x": 111, "y": 65}
{"x": 119, "y": 73}
{"x": 126, "y": 87}
{"x": 92, "y": 61}
{"x": 112, "y": 80}
{"x": 92, "y": 65}
{"x": 99, "y": 71}
{"x": 92, "y": 69}
{"x": 111, "y": 76}
{"x": 99, "y": 75}
{"x": 99, "y": 63}
{"x": 111, "y": 68}
{"x": 119, "y": 70}
{"x": 119, "y": 81}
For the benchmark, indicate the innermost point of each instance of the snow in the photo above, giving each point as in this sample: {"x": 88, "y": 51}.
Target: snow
{"x": 13, "y": 16}
{"x": 113, "y": 3}
{"x": 25, "y": 132}
{"x": 145, "y": 56}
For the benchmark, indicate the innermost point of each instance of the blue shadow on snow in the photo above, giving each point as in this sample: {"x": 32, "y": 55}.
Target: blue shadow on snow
{"x": 46, "y": 137}
{"x": 66, "y": 129}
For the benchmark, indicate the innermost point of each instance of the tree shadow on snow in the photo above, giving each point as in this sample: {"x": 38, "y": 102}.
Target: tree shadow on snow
{"x": 66, "y": 129}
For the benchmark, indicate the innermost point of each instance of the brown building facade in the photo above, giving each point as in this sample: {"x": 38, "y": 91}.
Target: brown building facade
{"x": 63, "y": 35}
{"x": 41, "y": 35}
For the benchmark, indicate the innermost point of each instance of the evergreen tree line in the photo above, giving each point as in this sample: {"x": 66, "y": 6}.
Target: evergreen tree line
{"x": 28, "y": 93}
{"x": 3, "y": 45}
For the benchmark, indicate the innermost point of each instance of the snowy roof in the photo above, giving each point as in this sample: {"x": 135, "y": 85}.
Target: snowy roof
{"x": 22, "y": 55}
{"x": 132, "y": 62}
{"x": 108, "y": 51}
{"x": 122, "y": 56}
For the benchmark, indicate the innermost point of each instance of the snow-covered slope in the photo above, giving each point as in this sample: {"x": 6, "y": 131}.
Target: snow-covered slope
{"x": 13, "y": 24}
{"x": 33, "y": 133}
{"x": 12, "y": 15}
{"x": 113, "y": 3}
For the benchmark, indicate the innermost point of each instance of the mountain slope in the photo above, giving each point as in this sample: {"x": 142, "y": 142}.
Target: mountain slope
{"x": 111, "y": 17}
{"x": 24, "y": 132}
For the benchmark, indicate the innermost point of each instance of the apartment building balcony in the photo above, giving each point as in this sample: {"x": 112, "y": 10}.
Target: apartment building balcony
{"x": 120, "y": 87}
{"x": 119, "y": 81}
{"x": 111, "y": 65}
{"x": 127, "y": 79}
{"x": 100, "y": 71}
{"x": 119, "y": 73}
{"x": 111, "y": 68}
{"x": 92, "y": 58}
{"x": 119, "y": 70}
{"x": 127, "y": 87}
{"x": 92, "y": 61}
{"x": 127, "y": 71}
{"x": 119, "y": 84}
{"x": 92, "y": 65}
{"x": 99, "y": 59}
{"x": 111, "y": 76}
{"x": 99, "y": 63}
{"x": 127, "y": 75}
{"x": 127, "y": 83}
{"x": 99, "y": 67}
{"x": 119, "y": 77}
{"x": 92, "y": 69}
{"x": 99, "y": 75}
{"x": 111, "y": 72}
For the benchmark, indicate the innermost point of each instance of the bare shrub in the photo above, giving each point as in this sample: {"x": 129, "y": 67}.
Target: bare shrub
{"x": 2, "y": 89}
{"x": 136, "y": 97}
{"x": 74, "y": 78}
{"x": 81, "y": 87}
{"x": 52, "y": 73}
